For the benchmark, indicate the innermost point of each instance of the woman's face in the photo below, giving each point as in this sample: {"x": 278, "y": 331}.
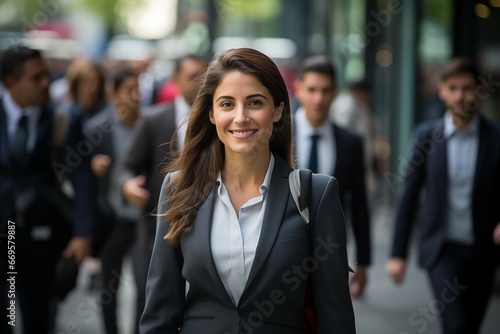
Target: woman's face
{"x": 89, "y": 90}
{"x": 243, "y": 112}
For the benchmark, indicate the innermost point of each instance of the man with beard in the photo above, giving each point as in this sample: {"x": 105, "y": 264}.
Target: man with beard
{"x": 456, "y": 159}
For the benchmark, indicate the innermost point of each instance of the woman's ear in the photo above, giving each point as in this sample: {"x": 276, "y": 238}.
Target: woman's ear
{"x": 278, "y": 112}
{"x": 211, "y": 116}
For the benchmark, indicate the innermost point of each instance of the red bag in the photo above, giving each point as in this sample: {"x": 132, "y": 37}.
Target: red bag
{"x": 310, "y": 321}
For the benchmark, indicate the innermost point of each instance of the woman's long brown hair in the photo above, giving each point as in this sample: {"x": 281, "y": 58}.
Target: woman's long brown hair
{"x": 202, "y": 157}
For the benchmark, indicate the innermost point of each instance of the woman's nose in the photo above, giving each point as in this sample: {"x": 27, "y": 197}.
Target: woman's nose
{"x": 240, "y": 116}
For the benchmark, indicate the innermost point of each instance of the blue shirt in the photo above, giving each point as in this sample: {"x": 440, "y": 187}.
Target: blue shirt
{"x": 462, "y": 147}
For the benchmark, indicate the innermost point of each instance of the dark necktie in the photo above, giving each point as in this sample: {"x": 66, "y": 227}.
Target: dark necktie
{"x": 313, "y": 157}
{"x": 20, "y": 142}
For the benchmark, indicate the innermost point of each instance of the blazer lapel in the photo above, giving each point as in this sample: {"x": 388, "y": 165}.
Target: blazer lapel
{"x": 482, "y": 152}
{"x": 440, "y": 164}
{"x": 339, "y": 149}
{"x": 275, "y": 208}
{"x": 43, "y": 133}
{"x": 202, "y": 240}
{"x": 4, "y": 141}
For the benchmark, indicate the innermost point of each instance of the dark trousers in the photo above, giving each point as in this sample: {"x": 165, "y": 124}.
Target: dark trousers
{"x": 37, "y": 248}
{"x": 120, "y": 241}
{"x": 462, "y": 281}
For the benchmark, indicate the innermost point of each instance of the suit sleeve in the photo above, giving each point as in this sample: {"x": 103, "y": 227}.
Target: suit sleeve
{"x": 409, "y": 195}
{"x": 359, "y": 206}
{"x": 331, "y": 279}
{"x": 137, "y": 158}
{"x": 165, "y": 290}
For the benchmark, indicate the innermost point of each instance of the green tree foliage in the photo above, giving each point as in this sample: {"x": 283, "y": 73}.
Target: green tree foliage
{"x": 256, "y": 10}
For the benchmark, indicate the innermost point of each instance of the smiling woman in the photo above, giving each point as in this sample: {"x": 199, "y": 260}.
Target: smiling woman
{"x": 243, "y": 113}
{"x": 231, "y": 226}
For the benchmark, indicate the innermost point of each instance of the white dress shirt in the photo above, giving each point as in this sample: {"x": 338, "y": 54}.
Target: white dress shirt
{"x": 462, "y": 147}
{"x": 327, "y": 149}
{"x": 182, "y": 109}
{"x": 234, "y": 240}
{"x": 14, "y": 113}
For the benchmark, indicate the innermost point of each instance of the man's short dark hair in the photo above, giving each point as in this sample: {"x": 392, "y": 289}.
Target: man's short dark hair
{"x": 460, "y": 65}
{"x": 363, "y": 85}
{"x": 179, "y": 61}
{"x": 13, "y": 59}
{"x": 318, "y": 64}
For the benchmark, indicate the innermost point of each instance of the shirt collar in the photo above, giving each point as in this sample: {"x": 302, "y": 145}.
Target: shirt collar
{"x": 450, "y": 129}
{"x": 265, "y": 184}
{"x": 307, "y": 129}
{"x": 14, "y": 112}
{"x": 11, "y": 105}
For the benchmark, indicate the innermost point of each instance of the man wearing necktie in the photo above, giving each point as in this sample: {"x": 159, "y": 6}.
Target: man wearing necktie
{"x": 326, "y": 148}
{"x": 42, "y": 232}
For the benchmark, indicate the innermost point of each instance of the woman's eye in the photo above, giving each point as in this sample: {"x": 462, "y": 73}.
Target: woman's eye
{"x": 255, "y": 103}
{"x": 225, "y": 104}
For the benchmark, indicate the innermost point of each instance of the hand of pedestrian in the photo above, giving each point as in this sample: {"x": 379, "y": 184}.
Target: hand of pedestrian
{"x": 396, "y": 268}
{"x": 135, "y": 193}
{"x": 100, "y": 164}
{"x": 79, "y": 248}
{"x": 357, "y": 282}
{"x": 496, "y": 234}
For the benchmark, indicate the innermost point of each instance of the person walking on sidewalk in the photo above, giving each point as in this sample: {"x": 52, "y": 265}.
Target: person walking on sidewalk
{"x": 456, "y": 159}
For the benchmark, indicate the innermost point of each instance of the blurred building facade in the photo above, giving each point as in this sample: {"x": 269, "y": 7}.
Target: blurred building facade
{"x": 399, "y": 46}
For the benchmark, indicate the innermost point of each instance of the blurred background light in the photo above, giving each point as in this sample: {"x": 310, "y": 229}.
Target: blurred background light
{"x": 8, "y": 13}
{"x": 154, "y": 19}
{"x": 384, "y": 58}
{"x": 495, "y": 3}
{"x": 482, "y": 11}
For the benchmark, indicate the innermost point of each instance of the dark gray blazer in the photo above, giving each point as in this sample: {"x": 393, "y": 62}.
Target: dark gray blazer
{"x": 273, "y": 299}
{"x": 147, "y": 154}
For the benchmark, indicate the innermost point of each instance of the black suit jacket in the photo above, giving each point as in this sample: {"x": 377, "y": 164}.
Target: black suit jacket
{"x": 273, "y": 299}
{"x": 350, "y": 174}
{"x": 25, "y": 184}
{"x": 427, "y": 167}
{"x": 147, "y": 155}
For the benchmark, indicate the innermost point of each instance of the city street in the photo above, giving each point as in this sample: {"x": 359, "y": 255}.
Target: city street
{"x": 384, "y": 309}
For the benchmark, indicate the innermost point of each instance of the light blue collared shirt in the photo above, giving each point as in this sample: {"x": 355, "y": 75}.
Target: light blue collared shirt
{"x": 234, "y": 240}
{"x": 462, "y": 147}
{"x": 327, "y": 149}
{"x": 14, "y": 113}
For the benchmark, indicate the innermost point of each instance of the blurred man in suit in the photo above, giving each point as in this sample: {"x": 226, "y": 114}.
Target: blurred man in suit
{"x": 30, "y": 199}
{"x": 139, "y": 171}
{"x": 326, "y": 148}
{"x": 456, "y": 158}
